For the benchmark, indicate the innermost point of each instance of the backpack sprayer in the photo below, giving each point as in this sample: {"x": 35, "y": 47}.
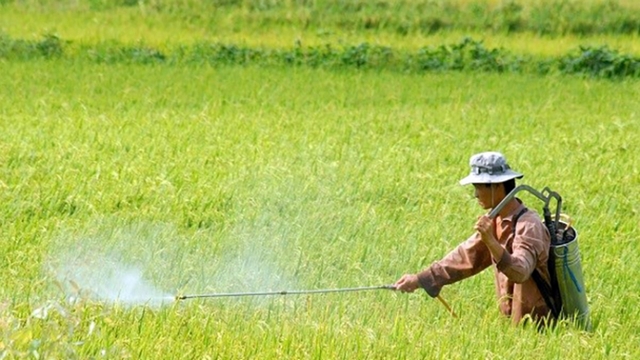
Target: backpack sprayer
{"x": 565, "y": 295}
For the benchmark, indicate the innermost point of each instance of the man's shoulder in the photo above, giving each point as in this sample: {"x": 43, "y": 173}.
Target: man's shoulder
{"x": 531, "y": 216}
{"x": 530, "y": 213}
{"x": 531, "y": 221}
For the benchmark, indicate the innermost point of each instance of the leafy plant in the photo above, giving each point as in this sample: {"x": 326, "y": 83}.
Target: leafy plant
{"x": 600, "y": 62}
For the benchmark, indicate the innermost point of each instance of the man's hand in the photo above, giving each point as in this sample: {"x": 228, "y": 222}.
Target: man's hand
{"x": 407, "y": 283}
{"x": 484, "y": 226}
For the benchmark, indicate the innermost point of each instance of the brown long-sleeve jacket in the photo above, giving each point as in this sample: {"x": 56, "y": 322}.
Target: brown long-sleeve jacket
{"x": 517, "y": 292}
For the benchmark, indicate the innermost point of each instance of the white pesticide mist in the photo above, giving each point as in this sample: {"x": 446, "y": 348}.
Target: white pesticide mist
{"x": 251, "y": 267}
{"x": 103, "y": 278}
{"x": 149, "y": 264}
{"x": 110, "y": 264}
{"x": 252, "y": 257}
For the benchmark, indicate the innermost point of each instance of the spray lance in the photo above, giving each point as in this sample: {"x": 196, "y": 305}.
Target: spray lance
{"x": 285, "y": 292}
{"x": 302, "y": 292}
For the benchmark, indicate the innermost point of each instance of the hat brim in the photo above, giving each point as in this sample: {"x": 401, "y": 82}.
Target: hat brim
{"x": 485, "y": 178}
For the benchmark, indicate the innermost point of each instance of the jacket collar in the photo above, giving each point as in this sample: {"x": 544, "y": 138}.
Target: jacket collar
{"x": 515, "y": 211}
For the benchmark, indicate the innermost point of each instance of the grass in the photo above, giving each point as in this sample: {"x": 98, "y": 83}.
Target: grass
{"x": 244, "y": 178}
{"x": 283, "y": 24}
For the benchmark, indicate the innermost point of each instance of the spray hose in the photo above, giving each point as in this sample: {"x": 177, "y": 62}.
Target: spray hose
{"x": 301, "y": 292}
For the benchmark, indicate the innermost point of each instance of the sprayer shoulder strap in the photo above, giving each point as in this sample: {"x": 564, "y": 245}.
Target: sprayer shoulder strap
{"x": 543, "y": 285}
{"x": 515, "y": 220}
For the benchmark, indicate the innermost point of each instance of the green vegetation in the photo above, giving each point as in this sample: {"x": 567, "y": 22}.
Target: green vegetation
{"x": 404, "y": 17}
{"x": 544, "y": 27}
{"x": 468, "y": 55}
{"x": 139, "y": 167}
{"x": 245, "y": 178}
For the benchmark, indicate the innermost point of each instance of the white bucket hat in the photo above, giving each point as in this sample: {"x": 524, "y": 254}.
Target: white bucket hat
{"x": 489, "y": 168}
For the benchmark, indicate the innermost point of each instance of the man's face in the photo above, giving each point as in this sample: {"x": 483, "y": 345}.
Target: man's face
{"x": 487, "y": 195}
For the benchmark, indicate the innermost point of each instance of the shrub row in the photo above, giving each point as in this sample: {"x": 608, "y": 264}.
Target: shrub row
{"x": 467, "y": 55}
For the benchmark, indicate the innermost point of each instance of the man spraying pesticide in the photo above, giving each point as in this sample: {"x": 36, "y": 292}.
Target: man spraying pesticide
{"x": 536, "y": 275}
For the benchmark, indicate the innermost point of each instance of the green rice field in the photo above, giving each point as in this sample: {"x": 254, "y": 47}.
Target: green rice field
{"x": 125, "y": 183}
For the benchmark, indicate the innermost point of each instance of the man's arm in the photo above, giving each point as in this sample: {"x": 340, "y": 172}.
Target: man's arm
{"x": 531, "y": 242}
{"x": 467, "y": 259}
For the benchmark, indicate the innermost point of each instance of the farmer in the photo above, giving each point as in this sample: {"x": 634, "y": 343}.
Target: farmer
{"x": 514, "y": 255}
